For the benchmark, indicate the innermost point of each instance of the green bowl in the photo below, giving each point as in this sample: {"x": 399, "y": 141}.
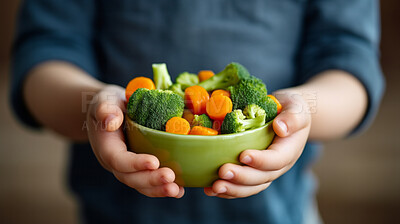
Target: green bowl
{"x": 195, "y": 159}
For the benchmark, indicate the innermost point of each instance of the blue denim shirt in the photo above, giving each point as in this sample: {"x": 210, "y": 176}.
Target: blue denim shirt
{"x": 284, "y": 42}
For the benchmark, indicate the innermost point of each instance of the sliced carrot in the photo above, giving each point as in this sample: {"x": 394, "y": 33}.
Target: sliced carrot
{"x": 136, "y": 83}
{"x": 217, "y": 125}
{"x": 188, "y": 115}
{"x": 278, "y": 104}
{"x": 221, "y": 92}
{"x": 218, "y": 106}
{"x": 177, "y": 125}
{"x": 205, "y": 74}
{"x": 200, "y": 130}
{"x": 196, "y": 98}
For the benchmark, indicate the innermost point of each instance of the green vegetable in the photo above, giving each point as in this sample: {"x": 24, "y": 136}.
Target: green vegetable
{"x": 187, "y": 79}
{"x": 270, "y": 107}
{"x": 153, "y": 108}
{"x": 252, "y": 110}
{"x": 247, "y": 91}
{"x": 177, "y": 88}
{"x": 135, "y": 99}
{"x": 252, "y": 91}
{"x": 231, "y": 75}
{"x": 161, "y": 77}
{"x": 202, "y": 120}
{"x": 236, "y": 121}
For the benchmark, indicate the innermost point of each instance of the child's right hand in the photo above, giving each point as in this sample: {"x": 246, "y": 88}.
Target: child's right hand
{"x": 139, "y": 171}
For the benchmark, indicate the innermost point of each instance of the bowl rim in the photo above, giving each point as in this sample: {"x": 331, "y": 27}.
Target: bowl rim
{"x": 164, "y": 133}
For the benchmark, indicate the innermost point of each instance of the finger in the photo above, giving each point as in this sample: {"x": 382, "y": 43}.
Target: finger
{"x": 282, "y": 153}
{"x": 245, "y": 175}
{"x": 224, "y": 196}
{"x": 165, "y": 190}
{"x": 225, "y": 189}
{"x": 111, "y": 150}
{"x": 127, "y": 162}
{"x": 294, "y": 116}
{"x": 108, "y": 108}
{"x": 110, "y": 115}
{"x": 181, "y": 192}
{"x": 147, "y": 178}
{"x": 209, "y": 191}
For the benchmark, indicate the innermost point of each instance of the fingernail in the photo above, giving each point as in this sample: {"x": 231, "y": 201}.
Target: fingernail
{"x": 208, "y": 191}
{"x": 222, "y": 190}
{"x": 148, "y": 166}
{"x": 164, "y": 180}
{"x": 109, "y": 119}
{"x": 213, "y": 194}
{"x": 282, "y": 126}
{"x": 228, "y": 175}
{"x": 247, "y": 160}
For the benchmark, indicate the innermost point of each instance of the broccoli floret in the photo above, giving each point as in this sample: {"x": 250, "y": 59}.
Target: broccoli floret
{"x": 270, "y": 107}
{"x": 247, "y": 91}
{"x": 231, "y": 75}
{"x": 187, "y": 79}
{"x": 134, "y": 101}
{"x": 157, "y": 107}
{"x": 177, "y": 88}
{"x": 253, "y": 91}
{"x": 161, "y": 77}
{"x": 253, "y": 111}
{"x": 202, "y": 120}
{"x": 236, "y": 121}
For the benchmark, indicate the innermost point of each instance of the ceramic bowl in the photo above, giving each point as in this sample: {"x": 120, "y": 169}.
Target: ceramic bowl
{"x": 195, "y": 159}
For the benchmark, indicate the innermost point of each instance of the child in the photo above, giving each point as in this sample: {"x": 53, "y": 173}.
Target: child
{"x": 320, "y": 58}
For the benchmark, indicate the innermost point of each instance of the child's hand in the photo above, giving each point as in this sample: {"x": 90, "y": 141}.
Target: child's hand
{"x": 292, "y": 127}
{"x": 139, "y": 171}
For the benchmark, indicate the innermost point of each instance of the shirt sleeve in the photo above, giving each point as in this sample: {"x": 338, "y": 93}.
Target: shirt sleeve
{"x": 50, "y": 30}
{"x": 344, "y": 35}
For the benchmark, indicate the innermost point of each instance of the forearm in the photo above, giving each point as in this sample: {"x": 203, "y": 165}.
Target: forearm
{"x": 337, "y": 102}
{"x": 57, "y": 94}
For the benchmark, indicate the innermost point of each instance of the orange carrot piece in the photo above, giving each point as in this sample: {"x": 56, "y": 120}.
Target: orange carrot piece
{"x": 218, "y": 106}
{"x": 205, "y": 74}
{"x": 136, "y": 83}
{"x": 278, "y": 104}
{"x": 188, "y": 115}
{"x": 221, "y": 92}
{"x": 200, "y": 130}
{"x": 217, "y": 125}
{"x": 177, "y": 125}
{"x": 196, "y": 98}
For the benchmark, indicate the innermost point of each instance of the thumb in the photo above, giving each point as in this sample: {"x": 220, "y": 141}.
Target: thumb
{"x": 109, "y": 109}
{"x": 110, "y": 115}
{"x": 294, "y": 116}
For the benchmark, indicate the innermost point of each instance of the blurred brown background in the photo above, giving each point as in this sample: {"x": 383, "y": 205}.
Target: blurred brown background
{"x": 359, "y": 177}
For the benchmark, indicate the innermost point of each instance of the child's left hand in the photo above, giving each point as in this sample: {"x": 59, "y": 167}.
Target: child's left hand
{"x": 292, "y": 127}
